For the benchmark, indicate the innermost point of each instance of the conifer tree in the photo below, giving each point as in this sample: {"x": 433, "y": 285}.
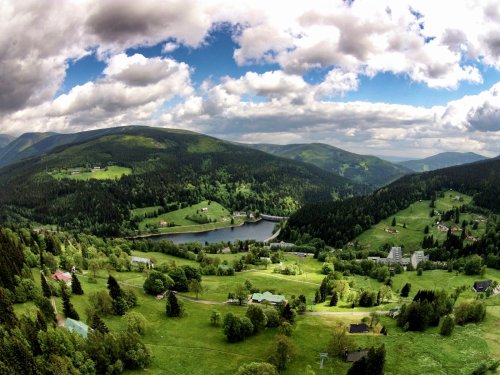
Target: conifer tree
{"x": 7, "y": 315}
{"x": 98, "y": 324}
{"x": 76, "y": 287}
{"x": 45, "y": 286}
{"x": 68, "y": 309}
{"x": 334, "y": 300}
{"x": 115, "y": 291}
{"x": 174, "y": 309}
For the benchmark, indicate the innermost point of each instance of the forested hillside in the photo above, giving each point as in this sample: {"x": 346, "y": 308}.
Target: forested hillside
{"x": 167, "y": 166}
{"x": 339, "y": 222}
{"x": 359, "y": 168}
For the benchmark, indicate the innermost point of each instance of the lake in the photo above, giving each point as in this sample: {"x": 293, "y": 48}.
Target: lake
{"x": 258, "y": 231}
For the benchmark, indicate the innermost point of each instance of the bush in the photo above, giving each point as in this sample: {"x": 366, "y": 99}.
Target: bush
{"x": 273, "y": 318}
{"x": 473, "y": 312}
{"x": 215, "y": 318}
{"x": 285, "y": 329}
{"x": 257, "y": 317}
{"x": 136, "y": 322}
{"x": 156, "y": 283}
{"x": 256, "y": 368}
{"x": 447, "y": 326}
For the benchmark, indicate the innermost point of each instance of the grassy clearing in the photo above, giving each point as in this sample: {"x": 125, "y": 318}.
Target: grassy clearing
{"x": 191, "y": 346}
{"x": 416, "y": 217}
{"x": 215, "y": 212}
{"x": 109, "y": 173}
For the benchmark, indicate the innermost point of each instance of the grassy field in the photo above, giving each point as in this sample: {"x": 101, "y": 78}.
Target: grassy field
{"x": 416, "y": 217}
{"x": 191, "y": 346}
{"x": 108, "y": 173}
{"x": 182, "y": 224}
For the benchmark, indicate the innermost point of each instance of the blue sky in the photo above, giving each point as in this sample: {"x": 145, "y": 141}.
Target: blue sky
{"x": 214, "y": 59}
{"x": 383, "y": 77}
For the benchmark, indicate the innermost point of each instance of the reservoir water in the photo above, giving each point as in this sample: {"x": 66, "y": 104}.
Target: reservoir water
{"x": 258, "y": 231}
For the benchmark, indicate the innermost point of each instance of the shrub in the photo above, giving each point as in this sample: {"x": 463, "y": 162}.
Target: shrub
{"x": 447, "y": 326}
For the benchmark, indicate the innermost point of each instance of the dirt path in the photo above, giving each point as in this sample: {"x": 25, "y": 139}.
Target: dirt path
{"x": 345, "y": 313}
{"x": 203, "y": 302}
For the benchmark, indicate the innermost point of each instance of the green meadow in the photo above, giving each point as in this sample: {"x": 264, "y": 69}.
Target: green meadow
{"x": 220, "y": 216}
{"x": 83, "y": 174}
{"x": 416, "y": 217}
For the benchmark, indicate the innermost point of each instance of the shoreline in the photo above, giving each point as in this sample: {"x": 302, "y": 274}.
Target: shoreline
{"x": 148, "y": 235}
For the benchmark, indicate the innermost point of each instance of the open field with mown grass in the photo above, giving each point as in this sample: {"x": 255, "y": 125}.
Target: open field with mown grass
{"x": 220, "y": 216}
{"x": 108, "y": 173}
{"x": 191, "y": 346}
{"x": 416, "y": 217}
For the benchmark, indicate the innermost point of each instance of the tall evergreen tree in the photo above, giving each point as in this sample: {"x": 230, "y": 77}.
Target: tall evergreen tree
{"x": 76, "y": 287}
{"x": 174, "y": 308}
{"x": 68, "y": 309}
{"x": 98, "y": 324}
{"x": 334, "y": 300}
{"x": 115, "y": 291}
{"x": 7, "y": 315}
{"x": 405, "y": 290}
{"x": 45, "y": 286}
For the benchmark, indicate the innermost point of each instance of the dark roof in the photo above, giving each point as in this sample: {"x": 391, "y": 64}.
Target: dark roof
{"x": 358, "y": 328}
{"x": 355, "y": 356}
{"x": 481, "y": 286}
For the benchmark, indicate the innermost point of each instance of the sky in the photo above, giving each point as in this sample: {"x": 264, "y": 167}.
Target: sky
{"x": 398, "y": 78}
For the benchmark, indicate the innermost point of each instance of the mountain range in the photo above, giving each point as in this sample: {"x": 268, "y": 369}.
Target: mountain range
{"x": 442, "y": 160}
{"x": 363, "y": 169}
{"x": 5, "y": 139}
{"x": 165, "y": 166}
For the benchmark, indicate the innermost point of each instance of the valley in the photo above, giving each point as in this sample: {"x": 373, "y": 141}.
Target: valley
{"x": 85, "y": 211}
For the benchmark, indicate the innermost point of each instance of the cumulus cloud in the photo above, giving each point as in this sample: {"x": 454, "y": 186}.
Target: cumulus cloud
{"x": 347, "y": 40}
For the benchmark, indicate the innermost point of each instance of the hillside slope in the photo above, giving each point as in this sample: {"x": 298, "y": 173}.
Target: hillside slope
{"x": 167, "y": 166}
{"x": 5, "y": 139}
{"x": 22, "y": 145}
{"x": 36, "y": 144}
{"x": 442, "y": 160}
{"x": 339, "y": 222}
{"x": 359, "y": 168}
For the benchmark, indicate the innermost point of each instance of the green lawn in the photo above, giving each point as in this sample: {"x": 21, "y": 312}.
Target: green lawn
{"x": 108, "y": 173}
{"x": 416, "y": 217}
{"x": 191, "y": 346}
{"x": 182, "y": 224}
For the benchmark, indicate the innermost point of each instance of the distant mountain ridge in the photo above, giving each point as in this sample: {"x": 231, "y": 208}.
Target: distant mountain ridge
{"x": 5, "y": 139}
{"x": 36, "y": 144}
{"x": 364, "y": 169}
{"x": 442, "y": 160}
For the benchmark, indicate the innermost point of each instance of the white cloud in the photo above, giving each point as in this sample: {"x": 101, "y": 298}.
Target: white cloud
{"x": 410, "y": 38}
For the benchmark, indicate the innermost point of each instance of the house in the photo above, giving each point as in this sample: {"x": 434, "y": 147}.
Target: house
{"x": 204, "y": 209}
{"x": 75, "y": 172}
{"x": 456, "y": 229}
{"x": 62, "y": 276}
{"x": 359, "y": 328}
{"x": 482, "y": 286}
{"x": 269, "y": 297}
{"x": 226, "y": 250}
{"x": 96, "y": 168}
{"x": 76, "y": 326}
{"x": 281, "y": 245}
{"x": 390, "y": 230}
{"x": 470, "y": 237}
{"x": 417, "y": 257}
{"x": 355, "y": 355}
{"x": 442, "y": 228}
{"x": 163, "y": 223}
{"x": 394, "y": 312}
{"x": 136, "y": 261}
